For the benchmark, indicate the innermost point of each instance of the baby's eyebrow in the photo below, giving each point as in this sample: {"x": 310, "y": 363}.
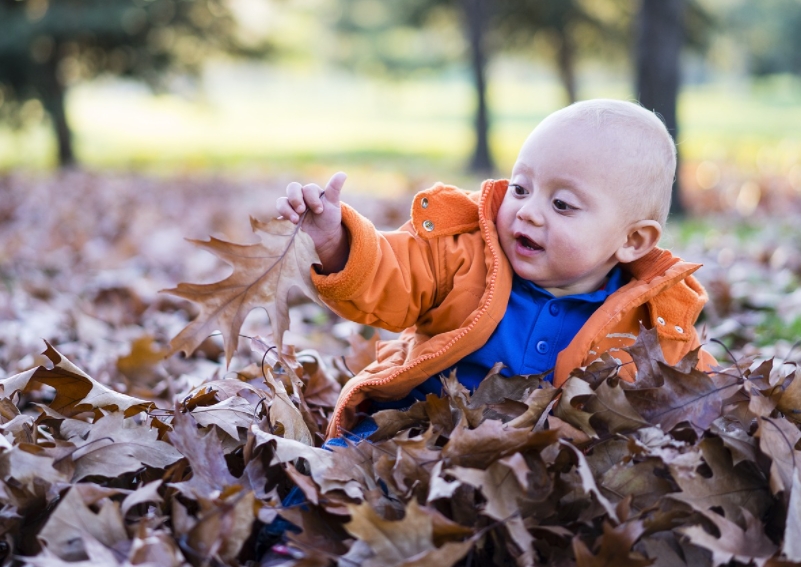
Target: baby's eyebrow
{"x": 522, "y": 169}
{"x": 569, "y": 183}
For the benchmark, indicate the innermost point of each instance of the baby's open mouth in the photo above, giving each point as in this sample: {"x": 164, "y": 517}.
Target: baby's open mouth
{"x": 528, "y": 243}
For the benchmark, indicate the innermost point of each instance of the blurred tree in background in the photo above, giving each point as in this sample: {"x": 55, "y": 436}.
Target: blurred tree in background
{"x": 374, "y": 25}
{"x": 488, "y": 28}
{"x": 48, "y": 45}
{"x": 571, "y": 30}
{"x": 664, "y": 28}
{"x": 660, "y": 38}
{"x": 564, "y": 31}
{"x": 771, "y": 29}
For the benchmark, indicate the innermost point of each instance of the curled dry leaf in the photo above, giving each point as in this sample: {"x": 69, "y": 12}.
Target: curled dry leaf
{"x": 228, "y": 415}
{"x": 76, "y": 391}
{"x": 405, "y": 542}
{"x": 147, "y": 493}
{"x": 319, "y": 460}
{"x": 790, "y": 401}
{"x": 115, "y": 446}
{"x": 614, "y": 548}
{"x": 588, "y": 481}
{"x": 263, "y": 275}
{"x": 203, "y": 450}
{"x": 223, "y": 526}
{"x": 778, "y": 439}
{"x": 749, "y": 545}
{"x": 728, "y": 488}
{"x": 501, "y": 487}
{"x": 64, "y": 531}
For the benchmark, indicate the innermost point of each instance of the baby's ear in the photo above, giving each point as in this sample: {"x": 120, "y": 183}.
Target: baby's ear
{"x": 642, "y": 238}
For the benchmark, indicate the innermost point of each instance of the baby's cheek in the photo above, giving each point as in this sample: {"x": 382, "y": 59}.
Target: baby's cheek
{"x": 571, "y": 252}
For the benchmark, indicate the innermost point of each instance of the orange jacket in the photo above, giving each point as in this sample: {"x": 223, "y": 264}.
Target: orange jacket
{"x": 443, "y": 281}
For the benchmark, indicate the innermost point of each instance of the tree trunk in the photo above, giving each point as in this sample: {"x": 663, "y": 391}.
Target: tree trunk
{"x": 660, "y": 36}
{"x": 476, "y": 18}
{"x": 566, "y": 62}
{"x": 53, "y": 97}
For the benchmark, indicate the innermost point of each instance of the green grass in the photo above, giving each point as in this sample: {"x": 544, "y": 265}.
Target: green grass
{"x": 773, "y": 328}
{"x": 278, "y": 120}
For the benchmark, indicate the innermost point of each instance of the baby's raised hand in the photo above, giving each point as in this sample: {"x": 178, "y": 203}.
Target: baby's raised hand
{"x": 323, "y": 221}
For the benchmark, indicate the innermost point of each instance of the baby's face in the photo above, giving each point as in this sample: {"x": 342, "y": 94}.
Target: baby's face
{"x": 566, "y": 213}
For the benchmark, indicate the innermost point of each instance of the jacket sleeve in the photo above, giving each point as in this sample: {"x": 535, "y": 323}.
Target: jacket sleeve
{"x": 389, "y": 279}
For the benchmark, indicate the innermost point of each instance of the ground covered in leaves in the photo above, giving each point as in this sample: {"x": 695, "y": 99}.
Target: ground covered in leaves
{"x": 111, "y": 454}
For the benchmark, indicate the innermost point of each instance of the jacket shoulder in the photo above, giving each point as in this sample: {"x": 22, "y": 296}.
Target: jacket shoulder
{"x": 676, "y": 309}
{"x": 444, "y": 210}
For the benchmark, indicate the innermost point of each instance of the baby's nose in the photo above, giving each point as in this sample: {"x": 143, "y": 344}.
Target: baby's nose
{"x": 531, "y": 212}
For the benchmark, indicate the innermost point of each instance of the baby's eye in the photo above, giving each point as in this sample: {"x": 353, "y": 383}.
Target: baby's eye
{"x": 518, "y": 189}
{"x": 560, "y": 205}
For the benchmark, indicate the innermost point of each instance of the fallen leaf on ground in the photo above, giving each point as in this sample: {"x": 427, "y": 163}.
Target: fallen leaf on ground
{"x": 405, "y": 542}
{"x": 76, "y": 391}
{"x": 748, "y": 545}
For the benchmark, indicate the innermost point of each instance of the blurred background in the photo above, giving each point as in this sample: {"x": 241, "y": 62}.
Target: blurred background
{"x": 127, "y": 125}
{"x": 408, "y": 91}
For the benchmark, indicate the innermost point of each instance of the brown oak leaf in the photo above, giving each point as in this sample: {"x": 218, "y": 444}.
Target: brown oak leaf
{"x": 73, "y": 519}
{"x": 588, "y": 480}
{"x": 116, "y": 446}
{"x": 748, "y": 545}
{"x": 320, "y": 461}
{"x": 729, "y": 488}
{"x": 224, "y": 525}
{"x": 691, "y": 396}
{"x": 210, "y": 473}
{"x": 778, "y": 439}
{"x": 502, "y": 487}
{"x": 263, "y": 274}
{"x": 790, "y": 400}
{"x": 491, "y": 441}
{"x": 228, "y": 415}
{"x": 406, "y": 542}
{"x": 611, "y": 410}
{"x": 76, "y": 391}
{"x": 614, "y": 547}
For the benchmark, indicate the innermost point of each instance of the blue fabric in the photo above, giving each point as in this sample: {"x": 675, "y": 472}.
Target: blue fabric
{"x": 535, "y": 328}
{"x": 362, "y": 431}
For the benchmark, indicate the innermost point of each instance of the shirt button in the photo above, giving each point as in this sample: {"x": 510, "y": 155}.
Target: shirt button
{"x": 554, "y": 309}
{"x": 428, "y": 225}
{"x": 542, "y": 347}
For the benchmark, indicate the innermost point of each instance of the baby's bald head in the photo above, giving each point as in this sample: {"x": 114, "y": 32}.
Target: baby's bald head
{"x": 637, "y": 143}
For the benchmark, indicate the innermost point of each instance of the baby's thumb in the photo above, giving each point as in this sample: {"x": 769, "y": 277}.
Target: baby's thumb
{"x": 334, "y": 187}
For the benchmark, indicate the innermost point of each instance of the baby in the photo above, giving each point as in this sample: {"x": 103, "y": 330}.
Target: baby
{"x": 544, "y": 272}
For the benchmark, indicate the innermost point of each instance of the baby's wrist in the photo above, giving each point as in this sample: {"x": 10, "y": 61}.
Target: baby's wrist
{"x": 333, "y": 250}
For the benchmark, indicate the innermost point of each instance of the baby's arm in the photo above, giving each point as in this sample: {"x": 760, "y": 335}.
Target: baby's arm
{"x": 323, "y": 221}
{"x": 381, "y": 279}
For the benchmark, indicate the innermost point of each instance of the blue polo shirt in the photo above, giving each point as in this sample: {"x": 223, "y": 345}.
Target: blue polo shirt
{"x": 535, "y": 328}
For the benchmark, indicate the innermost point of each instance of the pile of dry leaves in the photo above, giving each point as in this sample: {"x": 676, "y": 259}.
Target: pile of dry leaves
{"x": 125, "y": 458}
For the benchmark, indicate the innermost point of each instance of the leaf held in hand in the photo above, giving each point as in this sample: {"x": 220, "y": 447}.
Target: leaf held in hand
{"x": 263, "y": 274}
